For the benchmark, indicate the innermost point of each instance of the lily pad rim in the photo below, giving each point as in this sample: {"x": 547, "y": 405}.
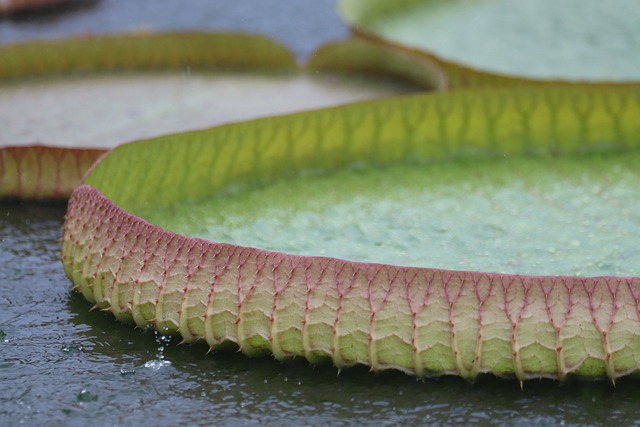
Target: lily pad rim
{"x": 132, "y": 218}
{"x": 462, "y": 157}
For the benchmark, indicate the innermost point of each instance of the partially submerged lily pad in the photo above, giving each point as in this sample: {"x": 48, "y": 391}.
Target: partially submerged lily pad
{"x": 97, "y": 92}
{"x": 423, "y": 321}
{"x": 568, "y": 40}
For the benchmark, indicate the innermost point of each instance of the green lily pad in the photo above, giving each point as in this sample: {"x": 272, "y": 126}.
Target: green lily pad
{"x": 569, "y": 40}
{"x": 91, "y": 94}
{"x": 447, "y": 153}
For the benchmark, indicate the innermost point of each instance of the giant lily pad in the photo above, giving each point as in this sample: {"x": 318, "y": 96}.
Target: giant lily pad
{"x": 569, "y": 40}
{"x": 544, "y": 149}
{"x": 87, "y": 95}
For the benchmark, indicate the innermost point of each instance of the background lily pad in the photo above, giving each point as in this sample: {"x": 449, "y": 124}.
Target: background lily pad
{"x": 569, "y": 40}
{"x": 92, "y": 93}
{"x": 272, "y": 18}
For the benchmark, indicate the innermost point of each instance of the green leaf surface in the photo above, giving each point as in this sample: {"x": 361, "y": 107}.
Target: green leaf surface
{"x": 143, "y": 51}
{"x": 567, "y": 215}
{"x": 569, "y": 40}
{"x": 423, "y": 321}
{"x": 419, "y": 128}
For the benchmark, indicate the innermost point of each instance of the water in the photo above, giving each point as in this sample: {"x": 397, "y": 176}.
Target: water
{"x": 61, "y": 364}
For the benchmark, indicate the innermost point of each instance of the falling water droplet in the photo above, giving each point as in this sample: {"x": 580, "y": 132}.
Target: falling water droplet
{"x": 127, "y": 371}
{"x": 159, "y": 362}
{"x": 156, "y": 365}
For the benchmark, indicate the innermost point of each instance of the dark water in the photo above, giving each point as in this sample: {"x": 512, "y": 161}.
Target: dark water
{"x": 63, "y": 365}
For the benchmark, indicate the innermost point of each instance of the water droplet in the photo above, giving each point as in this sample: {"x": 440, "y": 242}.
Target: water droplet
{"x": 127, "y": 371}
{"x": 156, "y": 365}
